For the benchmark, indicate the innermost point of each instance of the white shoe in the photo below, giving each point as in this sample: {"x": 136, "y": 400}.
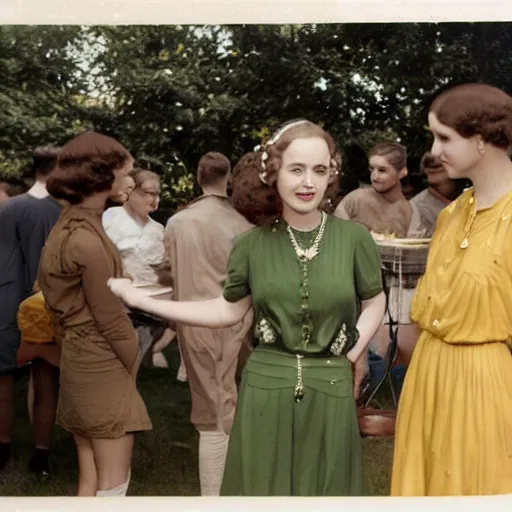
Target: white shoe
{"x": 159, "y": 360}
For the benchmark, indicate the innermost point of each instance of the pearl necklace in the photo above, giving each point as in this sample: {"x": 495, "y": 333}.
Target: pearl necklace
{"x": 312, "y": 251}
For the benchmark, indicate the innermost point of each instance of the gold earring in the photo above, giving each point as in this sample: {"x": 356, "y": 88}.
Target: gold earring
{"x": 481, "y": 147}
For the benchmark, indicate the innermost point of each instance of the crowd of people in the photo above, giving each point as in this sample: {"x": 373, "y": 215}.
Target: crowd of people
{"x": 279, "y": 279}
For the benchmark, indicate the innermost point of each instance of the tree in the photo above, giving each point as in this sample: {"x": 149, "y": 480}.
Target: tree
{"x": 37, "y": 92}
{"x": 171, "y": 93}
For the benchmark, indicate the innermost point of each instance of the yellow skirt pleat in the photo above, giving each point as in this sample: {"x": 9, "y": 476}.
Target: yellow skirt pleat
{"x": 454, "y": 425}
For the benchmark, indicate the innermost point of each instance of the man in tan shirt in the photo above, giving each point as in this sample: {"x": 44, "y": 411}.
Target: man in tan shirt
{"x": 198, "y": 241}
{"x": 383, "y": 209}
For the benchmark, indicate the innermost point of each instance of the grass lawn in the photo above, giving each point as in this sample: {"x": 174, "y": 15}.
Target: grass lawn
{"x": 165, "y": 459}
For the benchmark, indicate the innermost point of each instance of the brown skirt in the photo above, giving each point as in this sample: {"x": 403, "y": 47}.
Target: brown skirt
{"x": 98, "y": 396}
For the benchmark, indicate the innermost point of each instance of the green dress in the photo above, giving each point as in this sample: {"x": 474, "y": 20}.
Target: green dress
{"x": 312, "y": 447}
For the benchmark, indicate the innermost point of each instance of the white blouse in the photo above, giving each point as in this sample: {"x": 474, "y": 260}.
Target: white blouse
{"x": 140, "y": 245}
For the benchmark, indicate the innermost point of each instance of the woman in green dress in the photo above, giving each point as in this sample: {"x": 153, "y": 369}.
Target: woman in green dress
{"x": 314, "y": 282}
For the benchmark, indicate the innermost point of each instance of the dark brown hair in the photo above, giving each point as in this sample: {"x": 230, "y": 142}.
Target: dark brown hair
{"x": 86, "y": 166}
{"x": 393, "y": 152}
{"x": 44, "y": 160}
{"x": 260, "y": 203}
{"x": 140, "y": 176}
{"x": 13, "y": 186}
{"x": 428, "y": 161}
{"x": 474, "y": 108}
{"x": 211, "y": 168}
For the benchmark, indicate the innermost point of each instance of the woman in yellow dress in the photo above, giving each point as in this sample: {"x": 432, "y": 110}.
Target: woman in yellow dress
{"x": 454, "y": 426}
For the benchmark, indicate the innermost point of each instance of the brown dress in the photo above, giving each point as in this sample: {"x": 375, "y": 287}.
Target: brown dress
{"x": 100, "y": 356}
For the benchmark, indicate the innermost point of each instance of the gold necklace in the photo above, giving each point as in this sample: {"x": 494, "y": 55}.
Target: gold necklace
{"x": 469, "y": 223}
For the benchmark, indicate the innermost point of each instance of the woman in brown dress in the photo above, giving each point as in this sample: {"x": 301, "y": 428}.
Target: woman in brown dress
{"x": 98, "y": 401}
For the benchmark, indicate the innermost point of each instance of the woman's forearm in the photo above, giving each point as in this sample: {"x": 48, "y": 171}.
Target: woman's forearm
{"x": 368, "y": 323}
{"x": 214, "y": 313}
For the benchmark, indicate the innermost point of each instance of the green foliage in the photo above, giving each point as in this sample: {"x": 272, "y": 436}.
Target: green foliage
{"x": 37, "y": 92}
{"x": 172, "y": 93}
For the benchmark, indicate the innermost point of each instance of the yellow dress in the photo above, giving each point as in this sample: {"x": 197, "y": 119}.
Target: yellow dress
{"x": 34, "y": 321}
{"x": 454, "y": 425}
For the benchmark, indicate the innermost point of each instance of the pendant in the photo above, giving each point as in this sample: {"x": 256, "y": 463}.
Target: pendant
{"x": 464, "y": 244}
{"x": 298, "y": 394}
{"x": 309, "y": 253}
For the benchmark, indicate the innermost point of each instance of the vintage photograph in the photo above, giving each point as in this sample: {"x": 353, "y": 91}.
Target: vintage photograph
{"x": 256, "y": 259}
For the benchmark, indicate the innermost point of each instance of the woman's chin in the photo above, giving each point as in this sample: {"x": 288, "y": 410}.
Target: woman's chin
{"x": 305, "y": 208}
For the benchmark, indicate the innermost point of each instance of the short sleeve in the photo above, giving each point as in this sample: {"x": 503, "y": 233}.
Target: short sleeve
{"x": 237, "y": 285}
{"x": 341, "y": 211}
{"x": 368, "y": 273}
{"x": 110, "y": 224}
{"x": 108, "y": 217}
{"x": 346, "y": 207}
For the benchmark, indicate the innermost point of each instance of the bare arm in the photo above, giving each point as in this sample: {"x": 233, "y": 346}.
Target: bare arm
{"x": 369, "y": 321}
{"x": 214, "y": 313}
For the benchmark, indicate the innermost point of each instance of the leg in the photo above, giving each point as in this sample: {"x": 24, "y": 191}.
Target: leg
{"x": 198, "y": 356}
{"x": 46, "y": 389}
{"x": 87, "y": 473}
{"x": 51, "y": 353}
{"x": 161, "y": 341}
{"x": 30, "y": 398}
{"x": 213, "y": 447}
{"x": 6, "y": 416}
{"x": 210, "y": 358}
{"x": 145, "y": 342}
{"x": 113, "y": 459}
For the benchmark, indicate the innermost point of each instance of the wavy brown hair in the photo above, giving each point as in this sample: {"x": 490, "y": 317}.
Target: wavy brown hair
{"x": 429, "y": 161}
{"x": 260, "y": 203}
{"x": 86, "y": 166}
{"x": 477, "y": 109}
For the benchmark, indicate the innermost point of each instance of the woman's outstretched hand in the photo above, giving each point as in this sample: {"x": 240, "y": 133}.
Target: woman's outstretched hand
{"x": 125, "y": 290}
